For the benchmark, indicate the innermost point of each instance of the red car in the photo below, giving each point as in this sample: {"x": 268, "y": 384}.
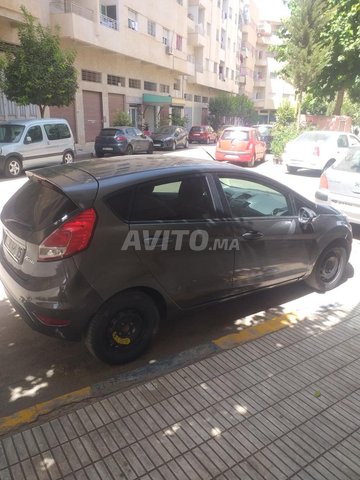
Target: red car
{"x": 202, "y": 134}
{"x": 240, "y": 145}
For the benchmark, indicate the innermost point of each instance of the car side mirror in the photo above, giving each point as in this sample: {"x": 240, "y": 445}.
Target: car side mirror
{"x": 28, "y": 139}
{"x": 306, "y": 216}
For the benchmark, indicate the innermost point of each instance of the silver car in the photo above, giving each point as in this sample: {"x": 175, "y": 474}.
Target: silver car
{"x": 340, "y": 186}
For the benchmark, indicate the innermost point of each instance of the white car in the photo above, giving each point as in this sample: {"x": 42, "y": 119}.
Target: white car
{"x": 316, "y": 150}
{"x": 340, "y": 186}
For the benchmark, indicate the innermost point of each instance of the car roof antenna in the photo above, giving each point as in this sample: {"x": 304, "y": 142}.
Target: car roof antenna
{"x": 211, "y": 156}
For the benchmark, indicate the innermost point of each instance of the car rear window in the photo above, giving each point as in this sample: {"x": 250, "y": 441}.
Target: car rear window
{"x": 35, "y": 206}
{"x": 111, "y": 132}
{"x": 314, "y": 137}
{"x": 235, "y": 135}
{"x": 351, "y": 163}
{"x": 197, "y": 129}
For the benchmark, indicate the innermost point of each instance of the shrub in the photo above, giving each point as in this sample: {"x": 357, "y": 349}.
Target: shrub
{"x": 122, "y": 119}
{"x": 281, "y": 135}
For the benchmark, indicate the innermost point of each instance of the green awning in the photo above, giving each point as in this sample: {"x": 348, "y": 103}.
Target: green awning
{"x": 152, "y": 99}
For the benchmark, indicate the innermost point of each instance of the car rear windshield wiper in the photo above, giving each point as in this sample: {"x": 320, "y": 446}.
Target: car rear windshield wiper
{"x": 18, "y": 222}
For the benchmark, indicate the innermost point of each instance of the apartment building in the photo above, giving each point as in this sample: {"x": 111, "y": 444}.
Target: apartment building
{"x": 151, "y": 59}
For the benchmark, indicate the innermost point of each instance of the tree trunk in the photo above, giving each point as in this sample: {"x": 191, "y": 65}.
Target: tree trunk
{"x": 339, "y": 102}
{"x": 42, "y": 110}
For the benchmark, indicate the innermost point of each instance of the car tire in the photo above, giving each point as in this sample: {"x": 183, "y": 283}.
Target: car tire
{"x": 173, "y": 146}
{"x": 150, "y": 149}
{"x": 99, "y": 154}
{"x": 133, "y": 312}
{"x": 13, "y": 167}
{"x": 186, "y": 143}
{"x": 208, "y": 141}
{"x": 252, "y": 161}
{"x": 68, "y": 157}
{"x": 329, "y": 269}
{"x": 129, "y": 150}
{"x": 291, "y": 169}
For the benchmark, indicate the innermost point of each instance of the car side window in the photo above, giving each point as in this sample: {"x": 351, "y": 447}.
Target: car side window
{"x": 247, "y": 198}
{"x": 35, "y": 134}
{"x": 342, "y": 141}
{"x": 182, "y": 199}
{"x": 57, "y": 131}
{"x": 354, "y": 142}
{"x": 131, "y": 132}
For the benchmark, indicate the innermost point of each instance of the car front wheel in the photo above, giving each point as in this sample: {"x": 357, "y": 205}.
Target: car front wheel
{"x": 129, "y": 150}
{"x": 123, "y": 328}
{"x": 173, "y": 146}
{"x": 68, "y": 157}
{"x": 13, "y": 167}
{"x": 329, "y": 269}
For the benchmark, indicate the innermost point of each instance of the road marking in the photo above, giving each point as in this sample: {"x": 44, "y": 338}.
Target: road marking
{"x": 256, "y": 331}
{"x": 31, "y": 414}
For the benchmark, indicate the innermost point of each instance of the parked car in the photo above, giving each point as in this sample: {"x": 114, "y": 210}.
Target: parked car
{"x": 122, "y": 140}
{"x": 240, "y": 145}
{"x": 92, "y": 250}
{"x": 317, "y": 149}
{"x": 265, "y": 134}
{"x": 202, "y": 134}
{"x": 34, "y": 143}
{"x": 170, "y": 137}
{"x": 340, "y": 185}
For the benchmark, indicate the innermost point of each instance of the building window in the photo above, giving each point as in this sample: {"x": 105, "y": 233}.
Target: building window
{"x": 115, "y": 80}
{"x": 164, "y": 88}
{"x": 90, "y": 76}
{"x": 207, "y": 63}
{"x": 132, "y": 19}
{"x": 227, "y": 72}
{"x": 166, "y": 36}
{"x": 179, "y": 42}
{"x": 177, "y": 84}
{"x": 151, "y": 28}
{"x": 188, "y": 96}
{"x": 134, "y": 83}
{"x": 232, "y": 74}
{"x": 151, "y": 86}
{"x": 205, "y": 99}
{"x": 197, "y": 98}
{"x": 217, "y": 35}
{"x": 180, "y": 2}
{"x": 215, "y": 67}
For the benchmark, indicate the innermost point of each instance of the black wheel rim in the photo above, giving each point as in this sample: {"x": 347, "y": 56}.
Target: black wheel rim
{"x": 125, "y": 329}
{"x": 330, "y": 267}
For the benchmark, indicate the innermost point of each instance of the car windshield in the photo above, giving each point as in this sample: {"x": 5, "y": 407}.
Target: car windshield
{"x": 351, "y": 163}
{"x": 166, "y": 129}
{"x": 264, "y": 130}
{"x": 197, "y": 129}
{"x": 111, "y": 132}
{"x": 10, "y": 133}
{"x": 235, "y": 135}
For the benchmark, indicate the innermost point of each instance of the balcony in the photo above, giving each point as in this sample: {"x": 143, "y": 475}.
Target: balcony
{"x": 197, "y": 39}
{"x": 109, "y": 22}
{"x": 66, "y": 6}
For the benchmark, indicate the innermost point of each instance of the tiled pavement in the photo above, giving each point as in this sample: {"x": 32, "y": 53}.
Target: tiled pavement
{"x": 285, "y": 406}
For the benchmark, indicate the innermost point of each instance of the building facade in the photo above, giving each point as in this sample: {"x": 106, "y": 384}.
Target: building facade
{"x": 150, "y": 59}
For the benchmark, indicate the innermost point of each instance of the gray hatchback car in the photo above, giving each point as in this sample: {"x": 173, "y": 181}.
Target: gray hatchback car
{"x": 103, "y": 250}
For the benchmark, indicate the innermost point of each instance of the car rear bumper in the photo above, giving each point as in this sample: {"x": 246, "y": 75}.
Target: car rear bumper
{"x": 233, "y": 157}
{"x": 117, "y": 149}
{"x": 56, "y": 311}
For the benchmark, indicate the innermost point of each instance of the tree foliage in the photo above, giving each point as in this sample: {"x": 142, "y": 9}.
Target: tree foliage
{"x": 285, "y": 128}
{"x": 38, "y": 71}
{"x": 303, "y": 52}
{"x": 225, "y": 106}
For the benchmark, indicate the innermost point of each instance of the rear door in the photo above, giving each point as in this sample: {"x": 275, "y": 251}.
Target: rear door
{"x": 34, "y": 151}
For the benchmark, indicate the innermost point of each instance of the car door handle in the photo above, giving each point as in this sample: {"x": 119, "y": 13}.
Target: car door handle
{"x": 252, "y": 235}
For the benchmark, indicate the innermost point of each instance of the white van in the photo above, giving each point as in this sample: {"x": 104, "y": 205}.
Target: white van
{"x": 27, "y": 144}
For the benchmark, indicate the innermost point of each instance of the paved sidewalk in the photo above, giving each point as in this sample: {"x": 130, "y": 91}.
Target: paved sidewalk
{"x": 285, "y": 406}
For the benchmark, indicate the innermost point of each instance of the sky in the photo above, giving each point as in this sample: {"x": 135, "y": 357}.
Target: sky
{"x": 271, "y": 9}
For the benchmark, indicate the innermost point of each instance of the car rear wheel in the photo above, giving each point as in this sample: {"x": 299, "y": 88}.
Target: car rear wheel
{"x": 252, "y": 161}
{"x": 68, "y": 157}
{"x": 129, "y": 150}
{"x": 13, "y": 167}
{"x": 291, "y": 169}
{"x": 99, "y": 154}
{"x": 173, "y": 146}
{"x": 329, "y": 269}
{"x": 150, "y": 150}
{"x": 123, "y": 328}
{"x": 186, "y": 143}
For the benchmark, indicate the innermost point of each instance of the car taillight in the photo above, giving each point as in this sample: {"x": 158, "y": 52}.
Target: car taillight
{"x": 71, "y": 237}
{"x": 324, "y": 181}
{"x": 316, "y": 151}
{"x": 120, "y": 138}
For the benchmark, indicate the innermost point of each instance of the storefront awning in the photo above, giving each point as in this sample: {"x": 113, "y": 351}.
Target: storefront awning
{"x": 152, "y": 99}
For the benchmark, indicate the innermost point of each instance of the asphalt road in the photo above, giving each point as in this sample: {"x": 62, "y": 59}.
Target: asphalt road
{"x": 35, "y": 368}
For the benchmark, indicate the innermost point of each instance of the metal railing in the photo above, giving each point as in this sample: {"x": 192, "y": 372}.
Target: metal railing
{"x": 109, "y": 22}
{"x": 66, "y": 6}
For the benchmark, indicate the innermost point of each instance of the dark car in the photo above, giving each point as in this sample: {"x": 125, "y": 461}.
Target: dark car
{"x": 202, "y": 134}
{"x": 170, "y": 137}
{"x": 265, "y": 131}
{"x": 103, "y": 250}
{"x": 122, "y": 141}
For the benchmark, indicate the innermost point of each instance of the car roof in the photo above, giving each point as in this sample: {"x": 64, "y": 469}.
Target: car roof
{"x": 33, "y": 120}
{"x": 327, "y": 132}
{"x": 239, "y": 127}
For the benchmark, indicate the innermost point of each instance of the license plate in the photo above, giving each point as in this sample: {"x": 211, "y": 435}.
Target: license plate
{"x": 108, "y": 148}
{"x": 231, "y": 156}
{"x": 15, "y": 250}
{"x": 157, "y": 144}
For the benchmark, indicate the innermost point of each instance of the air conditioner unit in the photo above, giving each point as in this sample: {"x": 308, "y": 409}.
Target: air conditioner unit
{"x": 132, "y": 24}
{"x": 168, "y": 50}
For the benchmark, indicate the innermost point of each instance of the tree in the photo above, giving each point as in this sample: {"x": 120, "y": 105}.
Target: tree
{"x": 302, "y": 51}
{"x": 341, "y": 71}
{"x": 38, "y": 71}
{"x": 244, "y": 109}
{"x": 285, "y": 129}
{"x": 220, "y": 107}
